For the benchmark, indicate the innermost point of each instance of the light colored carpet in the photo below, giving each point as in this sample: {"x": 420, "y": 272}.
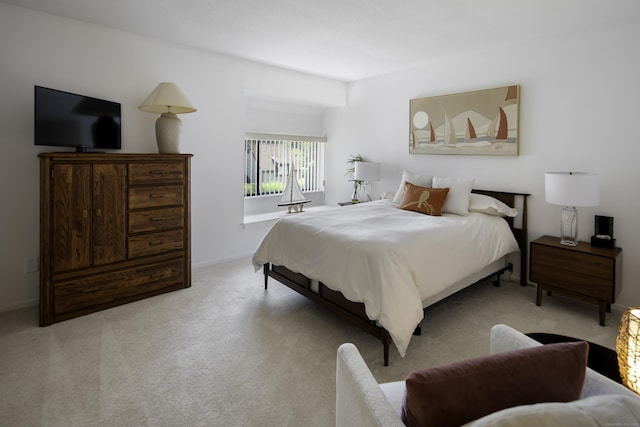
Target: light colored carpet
{"x": 228, "y": 353}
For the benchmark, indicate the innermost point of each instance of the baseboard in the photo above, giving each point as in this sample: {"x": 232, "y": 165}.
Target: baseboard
{"x": 20, "y": 305}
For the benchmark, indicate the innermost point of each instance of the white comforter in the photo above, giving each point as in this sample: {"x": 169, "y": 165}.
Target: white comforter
{"x": 390, "y": 259}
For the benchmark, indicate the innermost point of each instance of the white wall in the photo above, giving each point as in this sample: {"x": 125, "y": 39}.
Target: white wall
{"x": 42, "y": 49}
{"x": 578, "y": 111}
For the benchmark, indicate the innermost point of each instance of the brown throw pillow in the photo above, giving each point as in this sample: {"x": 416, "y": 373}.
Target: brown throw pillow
{"x": 461, "y": 392}
{"x": 422, "y": 199}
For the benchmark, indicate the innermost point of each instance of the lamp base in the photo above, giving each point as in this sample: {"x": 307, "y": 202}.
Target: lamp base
{"x": 569, "y": 226}
{"x": 354, "y": 197}
{"x": 168, "y": 127}
{"x": 366, "y": 195}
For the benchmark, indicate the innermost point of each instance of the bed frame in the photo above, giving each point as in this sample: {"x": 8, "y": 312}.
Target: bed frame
{"x": 355, "y": 313}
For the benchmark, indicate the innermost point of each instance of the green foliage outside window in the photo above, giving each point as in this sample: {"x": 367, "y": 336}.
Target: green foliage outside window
{"x": 267, "y": 187}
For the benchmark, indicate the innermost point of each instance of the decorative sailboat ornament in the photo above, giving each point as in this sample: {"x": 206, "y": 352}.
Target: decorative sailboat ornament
{"x": 292, "y": 196}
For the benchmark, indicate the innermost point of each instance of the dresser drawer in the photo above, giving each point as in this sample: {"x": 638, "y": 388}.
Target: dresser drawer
{"x": 157, "y": 196}
{"x": 108, "y": 288}
{"x": 155, "y": 220}
{"x": 155, "y": 243}
{"x": 156, "y": 173}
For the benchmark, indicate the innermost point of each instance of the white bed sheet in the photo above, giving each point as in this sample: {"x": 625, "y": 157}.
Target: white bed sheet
{"x": 390, "y": 259}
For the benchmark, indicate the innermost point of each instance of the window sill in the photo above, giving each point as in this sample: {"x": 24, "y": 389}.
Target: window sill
{"x": 272, "y": 216}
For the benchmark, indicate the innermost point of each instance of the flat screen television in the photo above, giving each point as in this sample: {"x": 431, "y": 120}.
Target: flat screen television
{"x": 64, "y": 119}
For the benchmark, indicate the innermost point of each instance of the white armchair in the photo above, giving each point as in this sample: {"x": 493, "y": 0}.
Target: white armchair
{"x": 361, "y": 401}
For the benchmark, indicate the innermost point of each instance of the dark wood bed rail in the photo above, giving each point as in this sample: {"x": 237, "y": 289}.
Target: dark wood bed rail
{"x": 354, "y": 312}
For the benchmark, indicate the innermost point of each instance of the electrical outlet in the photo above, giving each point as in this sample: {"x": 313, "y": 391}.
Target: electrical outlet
{"x": 31, "y": 265}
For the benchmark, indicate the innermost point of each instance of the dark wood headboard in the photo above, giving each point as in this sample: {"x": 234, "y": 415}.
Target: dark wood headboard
{"x": 520, "y": 233}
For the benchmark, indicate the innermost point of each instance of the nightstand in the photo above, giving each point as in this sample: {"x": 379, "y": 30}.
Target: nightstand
{"x": 584, "y": 272}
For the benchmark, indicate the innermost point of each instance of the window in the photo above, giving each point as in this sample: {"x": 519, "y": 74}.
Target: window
{"x": 270, "y": 158}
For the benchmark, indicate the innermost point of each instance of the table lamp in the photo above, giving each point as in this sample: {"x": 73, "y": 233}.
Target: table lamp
{"x": 571, "y": 189}
{"x": 168, "y": 100}
{"x": 366, "y": 172}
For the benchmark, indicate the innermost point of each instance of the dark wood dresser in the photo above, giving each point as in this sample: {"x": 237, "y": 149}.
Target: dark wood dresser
{"x": 114, "y": 228}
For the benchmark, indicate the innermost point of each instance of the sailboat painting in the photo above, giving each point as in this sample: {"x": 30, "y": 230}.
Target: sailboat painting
{"x": 483, "y": 122}
{"x": 292, "y": 196}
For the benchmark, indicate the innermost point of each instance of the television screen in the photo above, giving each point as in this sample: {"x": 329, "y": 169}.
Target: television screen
{"x": 64, "y": 119}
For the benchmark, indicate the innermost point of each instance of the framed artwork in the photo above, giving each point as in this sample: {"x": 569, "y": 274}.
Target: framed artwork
{"x": 482, "y": 122}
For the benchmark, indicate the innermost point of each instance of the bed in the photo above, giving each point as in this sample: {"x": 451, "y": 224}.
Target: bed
{"x": 379, "y": 267}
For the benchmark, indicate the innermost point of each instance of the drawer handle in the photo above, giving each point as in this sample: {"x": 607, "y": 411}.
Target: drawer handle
{"x": 155, "y": 242}
{"x": 156, "y": 172}
{"x": 157, "y": 219}
{"x": 155, "y": 273}
{"x": 156, "y": 196}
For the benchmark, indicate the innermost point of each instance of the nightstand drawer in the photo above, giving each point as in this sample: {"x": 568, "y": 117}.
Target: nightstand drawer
{"x": 575, "y": 282}
{"x": 576, "y": 272}
{"x": 571, "y": 262}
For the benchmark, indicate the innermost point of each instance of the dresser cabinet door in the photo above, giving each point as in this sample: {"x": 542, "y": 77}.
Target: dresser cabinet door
{"x": 89, "y": 219}
{"x": 109, "y": 217}
{"x": 71, "y": 217}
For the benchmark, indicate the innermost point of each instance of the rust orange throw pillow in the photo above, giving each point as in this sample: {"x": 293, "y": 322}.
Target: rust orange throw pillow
{"x": 422, "y": 199}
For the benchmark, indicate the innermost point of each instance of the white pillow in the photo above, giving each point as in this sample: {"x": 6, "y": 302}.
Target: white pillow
{"x": 600, "y": 410}
{"x": 490, "y": 205}
{"x": 421, "y": 180}
{"x": 457, "y": 201}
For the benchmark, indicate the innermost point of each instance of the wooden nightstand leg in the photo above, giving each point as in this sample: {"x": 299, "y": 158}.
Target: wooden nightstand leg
{"x": 539, "y": 295}
{"x": 601, "y": 308}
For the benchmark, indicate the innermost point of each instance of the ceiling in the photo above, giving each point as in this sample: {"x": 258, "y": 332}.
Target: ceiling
{"x": 345, "y": 39}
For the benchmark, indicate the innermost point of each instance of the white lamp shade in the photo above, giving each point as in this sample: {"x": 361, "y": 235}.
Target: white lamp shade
{"x": 167, "y": 98}
{"x": 367, "y": 171}
{"x": 571, "y": 188}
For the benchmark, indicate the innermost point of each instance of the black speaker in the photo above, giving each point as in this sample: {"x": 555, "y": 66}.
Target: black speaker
{"x": 603, "y": 232}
